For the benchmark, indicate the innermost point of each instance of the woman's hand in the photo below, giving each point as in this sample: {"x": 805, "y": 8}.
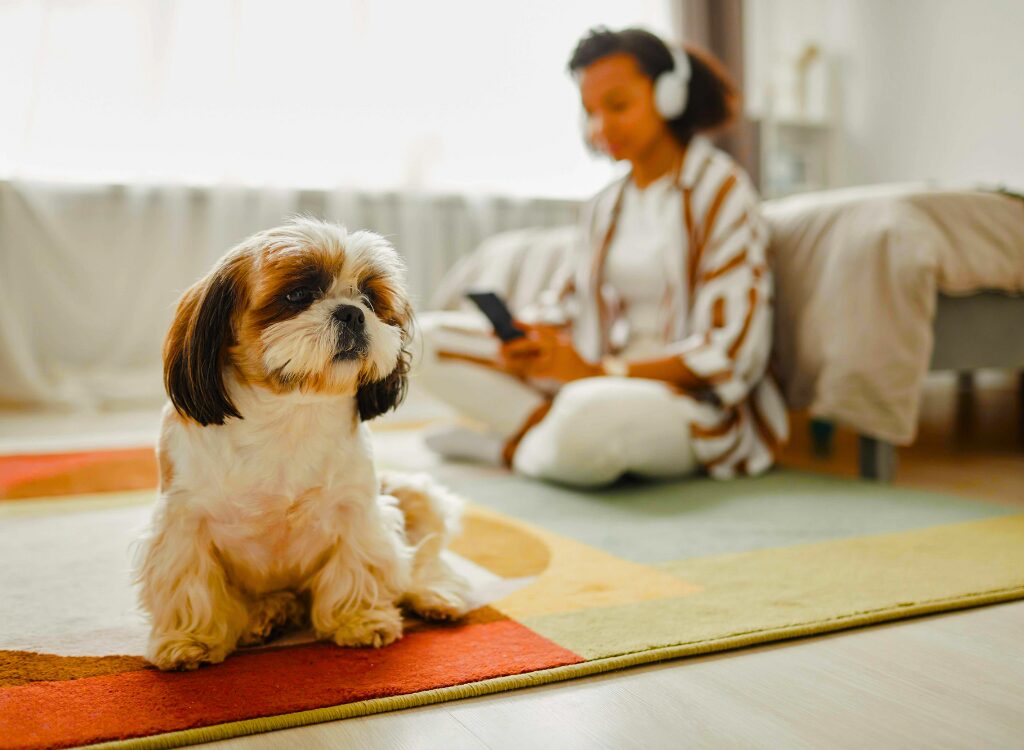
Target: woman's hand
{"x": 546, "y": 352}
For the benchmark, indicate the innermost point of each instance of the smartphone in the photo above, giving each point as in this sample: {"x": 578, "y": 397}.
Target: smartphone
{"x": 497, "y": 312}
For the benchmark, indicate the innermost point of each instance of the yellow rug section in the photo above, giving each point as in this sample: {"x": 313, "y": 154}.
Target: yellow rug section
{"x": 566, "y": 575}
{"x": 814, "y": 588}
{"x": 66, "y": 504}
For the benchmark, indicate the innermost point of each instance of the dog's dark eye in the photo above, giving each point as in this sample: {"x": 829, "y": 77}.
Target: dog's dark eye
{"x": 369, "y": 294}
{"x": 370, "y": 298}
{"x": 299, "y": 296}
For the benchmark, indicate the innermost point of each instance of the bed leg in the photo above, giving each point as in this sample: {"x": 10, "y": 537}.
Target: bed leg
{"x": 1020, "y": 406}
{"x": 877, "y": 459}
{"x": 822, "y": 434}
{"x": 963, "y": 419}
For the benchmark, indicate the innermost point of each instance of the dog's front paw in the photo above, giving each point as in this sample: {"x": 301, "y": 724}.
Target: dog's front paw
{"x": 369, "y": 627}
{"x": 183, "y": 653}
{"x": 270, "y": 615}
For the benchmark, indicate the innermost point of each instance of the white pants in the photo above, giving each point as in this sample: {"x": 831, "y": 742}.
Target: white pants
{"x": 597, "y": 429}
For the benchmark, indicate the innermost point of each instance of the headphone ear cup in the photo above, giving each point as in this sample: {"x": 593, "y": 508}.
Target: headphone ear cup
{"x": 669, "y": 97}
{"x": 672, "y": 86}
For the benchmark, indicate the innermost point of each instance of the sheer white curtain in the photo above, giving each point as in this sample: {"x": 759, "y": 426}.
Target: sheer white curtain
{"x": 440, "y": 95}
{"x": 140, "y": 139}
{"x": 89, "y": 275}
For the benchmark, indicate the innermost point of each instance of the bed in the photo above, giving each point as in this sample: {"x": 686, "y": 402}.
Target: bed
{"x": 876, "y": 287}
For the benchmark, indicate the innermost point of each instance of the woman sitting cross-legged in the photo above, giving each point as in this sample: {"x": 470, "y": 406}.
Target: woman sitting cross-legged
{"x": 659, "y": 365}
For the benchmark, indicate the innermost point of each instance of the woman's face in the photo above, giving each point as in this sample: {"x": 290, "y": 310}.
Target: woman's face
{"x": 618, "y": 100}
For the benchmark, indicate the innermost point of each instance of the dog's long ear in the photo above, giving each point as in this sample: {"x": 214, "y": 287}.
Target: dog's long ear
{"x": 195, "y": 351}
{"x": 384, "y": 395}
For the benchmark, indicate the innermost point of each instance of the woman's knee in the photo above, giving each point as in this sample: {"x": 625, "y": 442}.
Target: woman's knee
{"x": 565, "y": 463}
{"x": 583, "y": 399}
{"x": 423, "y": 345}
{"x": 575, "y": 444}
{"x": 426, "y": 343}
{"x": 600, "y": 428}
{"x": 443, "y": 330}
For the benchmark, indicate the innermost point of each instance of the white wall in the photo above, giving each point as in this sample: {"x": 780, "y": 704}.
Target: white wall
{"x": 926, "y": 89}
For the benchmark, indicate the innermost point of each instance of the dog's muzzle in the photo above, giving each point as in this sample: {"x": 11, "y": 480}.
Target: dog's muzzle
{"x": 350, "y": 322}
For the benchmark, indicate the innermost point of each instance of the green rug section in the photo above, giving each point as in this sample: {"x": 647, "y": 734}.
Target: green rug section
{"x": 661, "y": 522}
{"x": 764, "y": 595}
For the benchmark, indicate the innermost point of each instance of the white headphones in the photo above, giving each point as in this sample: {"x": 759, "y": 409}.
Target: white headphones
{"x": 672, "y": 86}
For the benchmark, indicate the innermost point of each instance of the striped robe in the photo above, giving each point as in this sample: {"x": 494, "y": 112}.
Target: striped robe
{"x": 717, "y": 312}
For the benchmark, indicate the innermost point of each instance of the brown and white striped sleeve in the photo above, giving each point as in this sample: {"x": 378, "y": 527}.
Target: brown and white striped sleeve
{"x": 730, "y": 285}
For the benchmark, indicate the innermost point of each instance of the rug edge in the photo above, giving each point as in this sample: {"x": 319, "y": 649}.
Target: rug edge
{"x": 548, "y": 676}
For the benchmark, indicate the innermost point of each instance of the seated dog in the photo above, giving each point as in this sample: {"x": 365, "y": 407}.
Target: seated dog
{"x": 271, "y": 512}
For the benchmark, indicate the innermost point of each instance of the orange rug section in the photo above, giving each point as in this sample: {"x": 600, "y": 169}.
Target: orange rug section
{"x": 46, "y": 475}
{"x": 22, "y": 667}
{"x": 266, "y": 683}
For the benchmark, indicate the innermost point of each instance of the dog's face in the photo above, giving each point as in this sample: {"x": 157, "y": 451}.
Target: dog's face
{"x": 307, "y": 306}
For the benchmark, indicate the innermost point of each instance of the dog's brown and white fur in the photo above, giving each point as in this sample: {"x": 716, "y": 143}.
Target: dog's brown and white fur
{"x": 271, "y": 512}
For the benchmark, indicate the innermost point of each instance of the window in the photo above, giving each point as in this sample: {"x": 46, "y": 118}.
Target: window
{"x": 447, "y": 95}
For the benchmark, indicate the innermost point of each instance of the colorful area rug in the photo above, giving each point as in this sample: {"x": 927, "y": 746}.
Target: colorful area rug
{"x": 568, "y": 584}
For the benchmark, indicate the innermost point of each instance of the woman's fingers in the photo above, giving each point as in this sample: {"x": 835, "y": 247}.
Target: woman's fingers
{"x": 537, "y": 354}
{"x": 520, "y": 348}
{"x": 519, "y": 355}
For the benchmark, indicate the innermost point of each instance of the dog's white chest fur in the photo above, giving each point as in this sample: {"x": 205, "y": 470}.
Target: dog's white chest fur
{"x": 273, "y": 489}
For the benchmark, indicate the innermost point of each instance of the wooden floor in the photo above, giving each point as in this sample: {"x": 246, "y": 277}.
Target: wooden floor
{"x": 949, "y": 681}
{"x": 970, "y": 441}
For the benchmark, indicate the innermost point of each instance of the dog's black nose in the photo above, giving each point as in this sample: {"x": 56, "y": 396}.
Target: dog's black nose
{"x": 349, "y": 315}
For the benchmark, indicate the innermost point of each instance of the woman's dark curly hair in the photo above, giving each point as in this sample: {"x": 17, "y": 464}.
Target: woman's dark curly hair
{"x": 712, "y": 101}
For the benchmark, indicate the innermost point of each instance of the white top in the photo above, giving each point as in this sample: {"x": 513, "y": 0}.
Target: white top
{"x": 649, "y": 230}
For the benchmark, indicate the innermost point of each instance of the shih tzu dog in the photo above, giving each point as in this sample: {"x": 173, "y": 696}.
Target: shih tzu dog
{"x": 271, "y": 513}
